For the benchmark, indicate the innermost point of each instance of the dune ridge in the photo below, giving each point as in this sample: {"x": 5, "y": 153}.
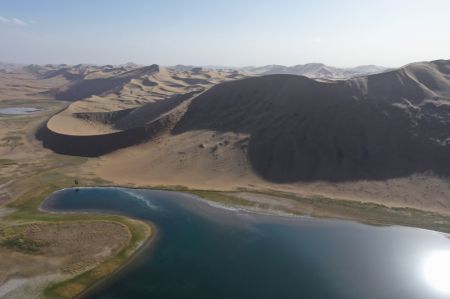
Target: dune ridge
{"x": 379, "y": 126}
{"x": 374, "y": 127}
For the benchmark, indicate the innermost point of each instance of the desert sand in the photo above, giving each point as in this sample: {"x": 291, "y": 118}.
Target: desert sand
{"x": 97, "y": 100}
{"x": 381, "y": 138}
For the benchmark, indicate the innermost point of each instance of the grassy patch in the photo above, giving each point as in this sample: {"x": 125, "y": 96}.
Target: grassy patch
{"x": 23, "y": 244}
{"x": 167, "y": 187}
{"x": 6, "y": 162}
{"x": 27, "y": 211}
{"x": 75, "y": 286}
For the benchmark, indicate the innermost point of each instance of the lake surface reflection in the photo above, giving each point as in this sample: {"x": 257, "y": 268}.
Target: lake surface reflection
{"x": 18, "y": 110}
{"x": 203, "y": 251}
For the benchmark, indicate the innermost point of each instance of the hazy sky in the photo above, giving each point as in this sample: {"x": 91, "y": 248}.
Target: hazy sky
{"x": 226, "y": 32}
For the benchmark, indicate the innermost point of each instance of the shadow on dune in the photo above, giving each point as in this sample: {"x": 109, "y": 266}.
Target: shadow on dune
{"x": 82, "y": 88}
{"x": 149, "y": 112}
{"x": 87, "y": 88}
{"x": 303, "y": 130}
{"x": 137, "y": 126}
{"x": 90, "y": 146}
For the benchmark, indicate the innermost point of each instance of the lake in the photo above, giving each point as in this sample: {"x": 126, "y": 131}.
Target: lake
{"x": 18, "y": 110}
{"x": 206, "y": 251}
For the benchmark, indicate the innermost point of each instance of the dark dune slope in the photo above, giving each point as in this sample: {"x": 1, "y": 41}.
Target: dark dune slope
{"x": 91, "y": 146}
{"x": 374, "y": 127}
{"x": 137, "y": 126}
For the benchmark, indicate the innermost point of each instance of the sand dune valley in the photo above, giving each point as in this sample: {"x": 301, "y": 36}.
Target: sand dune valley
{"x": 368, "y": 144}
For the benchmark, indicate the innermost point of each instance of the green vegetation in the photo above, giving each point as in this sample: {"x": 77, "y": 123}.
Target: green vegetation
{"x": 75, "y": 286}
{"x": 23, "y": 244}
{"x": 167, "y": 187}
{"x": 6, "y": 162}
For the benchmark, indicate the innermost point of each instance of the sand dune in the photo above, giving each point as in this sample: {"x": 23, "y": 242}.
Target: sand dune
{"x": 379, "y": 126}
{"x": 101, "y": 99}
{"x": 316, "y": 70}
{"x": 374, "y": 127}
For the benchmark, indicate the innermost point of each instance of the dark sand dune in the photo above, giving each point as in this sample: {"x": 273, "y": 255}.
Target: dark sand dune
{"x": 87, "y": 88}
{"x": 134, "y": 126}
{"x": 379, "y": 126}
{"x": 90, "y": 146}
{"x": 375, "y": 127}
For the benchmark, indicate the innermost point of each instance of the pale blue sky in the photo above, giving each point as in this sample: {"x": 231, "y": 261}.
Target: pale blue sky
{"x": 233, "y": 32}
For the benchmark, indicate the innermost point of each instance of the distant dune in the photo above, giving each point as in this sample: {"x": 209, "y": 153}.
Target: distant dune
{"x": 112, "y": 99}
{"x": 316, "y": 70}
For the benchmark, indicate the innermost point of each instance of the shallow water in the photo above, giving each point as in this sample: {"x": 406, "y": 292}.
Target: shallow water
{"x": 18, "y": 110}
{"x": 203, "y": 251}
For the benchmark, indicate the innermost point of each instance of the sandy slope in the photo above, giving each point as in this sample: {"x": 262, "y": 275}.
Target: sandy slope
{"x": 199, "y": 159}
{"x": 208, "y": 160}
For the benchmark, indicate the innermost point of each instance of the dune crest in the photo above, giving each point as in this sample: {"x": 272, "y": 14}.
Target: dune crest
{"x": 379, "y": 126}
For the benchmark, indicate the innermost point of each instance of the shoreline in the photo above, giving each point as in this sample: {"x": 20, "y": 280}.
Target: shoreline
{"x": 257, "y": 210}
{"x": 132, "y": 261}
{"x": 137, "y": 255}
{"x": 149, "y": 243}
{"x": 103, "y": 286}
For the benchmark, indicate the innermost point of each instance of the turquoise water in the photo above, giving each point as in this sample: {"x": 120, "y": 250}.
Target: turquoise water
{"x": 203, "y": 251}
